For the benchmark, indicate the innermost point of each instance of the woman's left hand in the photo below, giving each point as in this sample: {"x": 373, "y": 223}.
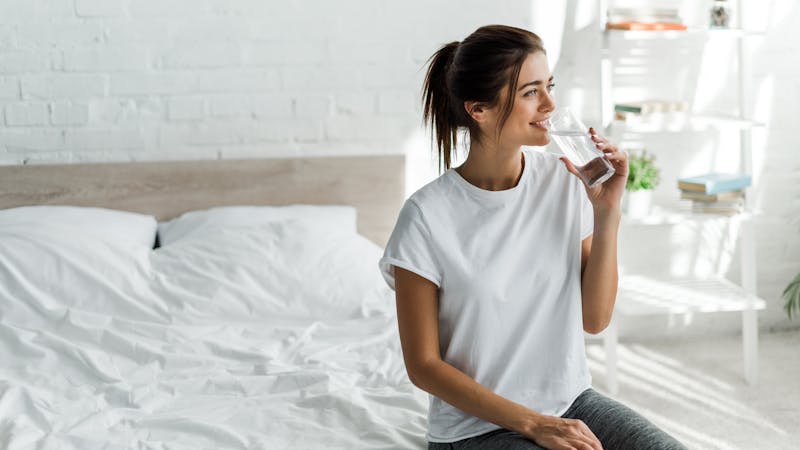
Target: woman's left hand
{"x": 608, "y": 194}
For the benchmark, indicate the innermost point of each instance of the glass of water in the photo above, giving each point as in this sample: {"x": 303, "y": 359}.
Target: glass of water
{"x": 573, "y": 140}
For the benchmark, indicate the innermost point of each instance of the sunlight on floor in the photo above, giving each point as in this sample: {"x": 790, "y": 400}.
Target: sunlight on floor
{"x": 695, "y": 391}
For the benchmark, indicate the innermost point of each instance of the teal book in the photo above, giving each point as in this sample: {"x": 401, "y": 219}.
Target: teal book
{"x": 628, "y": 108}
{"x": 715, "y": 182}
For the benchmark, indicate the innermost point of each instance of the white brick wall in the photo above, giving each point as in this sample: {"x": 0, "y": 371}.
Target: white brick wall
{"x": 101, "y": 80}
{"x": 99, "y": 8}
{"x": 26, "y": 114}
{"x": 150, "y": 77}
{"x": 68, "y": 113}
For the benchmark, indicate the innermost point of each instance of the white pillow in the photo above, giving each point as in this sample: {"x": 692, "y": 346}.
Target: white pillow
{"x": 67, "y": 222}
{"x": 339, "y": 218}
{"x": 287, "y": 269}
{"x": 45, "y": 273}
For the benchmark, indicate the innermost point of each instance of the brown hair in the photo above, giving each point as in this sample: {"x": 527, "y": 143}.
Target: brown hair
{"x": 476, "y": 69}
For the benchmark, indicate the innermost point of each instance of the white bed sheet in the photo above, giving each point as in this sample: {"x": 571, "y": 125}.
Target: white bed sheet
{"x": 262, "y": 338}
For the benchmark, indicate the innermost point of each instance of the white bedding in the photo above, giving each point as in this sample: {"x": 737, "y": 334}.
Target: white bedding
{"x": 264, "y": 337}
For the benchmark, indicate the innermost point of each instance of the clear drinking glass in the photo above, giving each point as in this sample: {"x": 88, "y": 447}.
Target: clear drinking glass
{"x": 573, "y": 140}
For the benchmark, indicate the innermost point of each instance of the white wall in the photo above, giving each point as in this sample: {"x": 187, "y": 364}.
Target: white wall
{"x": 119, "y": 80}
{"x": 98, "y": 80}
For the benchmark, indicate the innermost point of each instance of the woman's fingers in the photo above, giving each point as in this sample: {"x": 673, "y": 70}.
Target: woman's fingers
{"x": 570, "y": 167}
{"x": 601, "y": 142}
{"x": 622, "y": 156}
{"x": 562, "y": 434}
{"x": 582, "y": 436}
{"x": 605, "y": 146}
{"x": 593, "y": 441}
{"x": 619, "y": 160}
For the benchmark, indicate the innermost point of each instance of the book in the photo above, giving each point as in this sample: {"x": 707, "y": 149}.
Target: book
{"x": 698, "y": 207}
{"x": 714, "y": 182}
{"x": 643, "y": 11}
{"x": 652, "y": 106}
{"x": 644, "y": 14}
{"x": 710, "y": 198}
{"x": 720, "y": 204}
{"x": 647, "y": 26}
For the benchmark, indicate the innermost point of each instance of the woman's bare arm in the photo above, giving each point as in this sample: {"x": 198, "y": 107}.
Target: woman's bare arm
{"x": 599, "y": 274}
{"x": 417, "y": 316}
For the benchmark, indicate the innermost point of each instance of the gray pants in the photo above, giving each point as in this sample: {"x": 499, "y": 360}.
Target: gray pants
{"x": 615, "y": 425}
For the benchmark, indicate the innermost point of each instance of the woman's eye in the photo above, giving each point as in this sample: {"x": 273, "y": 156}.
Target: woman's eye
{"x": 535, "y": 91}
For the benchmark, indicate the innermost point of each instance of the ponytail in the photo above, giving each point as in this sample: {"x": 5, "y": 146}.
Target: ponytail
{"x": 476, "y": 69}
{"x": 438, "y": 108}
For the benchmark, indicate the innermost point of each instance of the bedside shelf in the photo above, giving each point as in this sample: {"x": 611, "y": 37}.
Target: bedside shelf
{"x": 680, "y": 123}
{"x": 642, "y": 295}
{"x": 678, "y": 34}
{"x": 661, "y": 215}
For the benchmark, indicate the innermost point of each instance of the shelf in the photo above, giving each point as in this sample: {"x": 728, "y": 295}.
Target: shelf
{"x": 661, "y": 215}
{"x": 678, "y": 34}
{"x": 642, "y": 295}
{"x": 680, "y": 123}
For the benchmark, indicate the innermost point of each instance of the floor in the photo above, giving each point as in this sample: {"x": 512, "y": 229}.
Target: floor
{"x": 694, "y": 389}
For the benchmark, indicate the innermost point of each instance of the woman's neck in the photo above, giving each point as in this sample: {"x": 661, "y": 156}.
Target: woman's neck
{"x": 492, "y": 169}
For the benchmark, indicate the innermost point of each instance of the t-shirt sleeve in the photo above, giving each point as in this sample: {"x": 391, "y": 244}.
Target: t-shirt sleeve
{"x": 587, "y": 214}
{"x": 410, "y": 247}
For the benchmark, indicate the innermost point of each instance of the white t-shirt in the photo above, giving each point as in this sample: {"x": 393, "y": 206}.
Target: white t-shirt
{"x": 508, "y": 267}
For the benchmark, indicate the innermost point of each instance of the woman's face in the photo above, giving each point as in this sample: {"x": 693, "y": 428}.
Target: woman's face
{"x": 532, "y": 105}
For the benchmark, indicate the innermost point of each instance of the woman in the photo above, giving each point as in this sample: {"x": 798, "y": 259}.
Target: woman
{"x": 500, "y": 264}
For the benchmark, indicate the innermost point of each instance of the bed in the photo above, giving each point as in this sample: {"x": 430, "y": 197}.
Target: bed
{"x": 202, "y": 304}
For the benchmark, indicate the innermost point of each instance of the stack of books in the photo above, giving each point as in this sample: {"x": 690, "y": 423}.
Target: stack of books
{"x": 633, "y": 110}
{"x": 654, "y": 19}
{"x": 717, "y": 193}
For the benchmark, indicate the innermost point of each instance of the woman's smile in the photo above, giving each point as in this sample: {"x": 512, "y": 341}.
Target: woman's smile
{"x": 543, "y": 124}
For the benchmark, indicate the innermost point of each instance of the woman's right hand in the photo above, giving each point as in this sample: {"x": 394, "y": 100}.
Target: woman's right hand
{"x": 556, "y": 433}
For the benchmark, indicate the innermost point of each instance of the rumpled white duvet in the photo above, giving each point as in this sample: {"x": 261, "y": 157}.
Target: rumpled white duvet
{"x": 266, "y": 337}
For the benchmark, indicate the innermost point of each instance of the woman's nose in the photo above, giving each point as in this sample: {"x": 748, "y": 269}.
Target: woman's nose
{"x": 548, "y": 103}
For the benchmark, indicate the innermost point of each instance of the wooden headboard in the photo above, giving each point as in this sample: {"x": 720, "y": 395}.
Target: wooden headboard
{"x": 373, "y": 184}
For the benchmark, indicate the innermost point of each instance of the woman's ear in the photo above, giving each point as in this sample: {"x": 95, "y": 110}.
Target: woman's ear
{"x": 476, "y": 110}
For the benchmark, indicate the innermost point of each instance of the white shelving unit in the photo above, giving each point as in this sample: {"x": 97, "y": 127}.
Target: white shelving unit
{"x": 647, "y": 295}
